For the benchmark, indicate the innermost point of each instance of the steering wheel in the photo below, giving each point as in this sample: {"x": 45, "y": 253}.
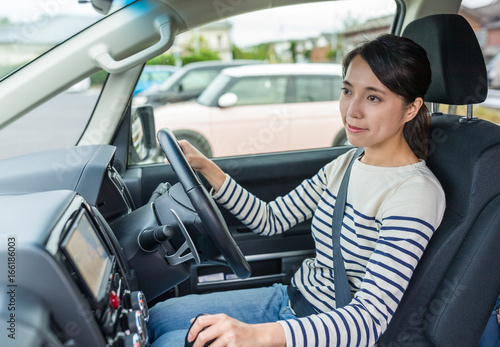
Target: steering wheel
{"x": 204, "y": 205}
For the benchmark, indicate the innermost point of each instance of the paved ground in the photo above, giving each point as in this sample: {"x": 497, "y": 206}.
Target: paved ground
{"x": 57, "y": 123}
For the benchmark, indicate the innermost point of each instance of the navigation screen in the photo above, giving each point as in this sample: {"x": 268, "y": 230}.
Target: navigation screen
{"x": 88, "y": 255}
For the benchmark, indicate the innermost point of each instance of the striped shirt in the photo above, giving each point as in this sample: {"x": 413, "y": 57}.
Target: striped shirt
{"x": 390, "y": 215}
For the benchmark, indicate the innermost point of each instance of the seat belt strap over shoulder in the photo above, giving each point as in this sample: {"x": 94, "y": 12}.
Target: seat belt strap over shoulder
{"x": 342, "y": 290}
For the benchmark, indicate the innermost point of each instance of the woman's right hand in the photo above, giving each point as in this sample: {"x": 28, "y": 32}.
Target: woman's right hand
{"x": 199, "y": 162}
{"x": 194, "y": 157}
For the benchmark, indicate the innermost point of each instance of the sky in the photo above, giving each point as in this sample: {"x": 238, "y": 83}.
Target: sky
{"x": 295, "y": 21}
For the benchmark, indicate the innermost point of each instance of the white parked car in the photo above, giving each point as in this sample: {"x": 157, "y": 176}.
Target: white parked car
{"x": 261, "y": 108}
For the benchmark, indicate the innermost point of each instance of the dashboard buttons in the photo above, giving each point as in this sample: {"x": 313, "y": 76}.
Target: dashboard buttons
{"x": 137, "y": 325}
{"x": 136, "y": 301}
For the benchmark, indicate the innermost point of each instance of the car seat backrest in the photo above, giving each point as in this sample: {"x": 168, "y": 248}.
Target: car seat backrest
{"x": 457, "y": 281}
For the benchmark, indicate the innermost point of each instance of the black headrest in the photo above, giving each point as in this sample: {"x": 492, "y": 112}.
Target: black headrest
{"x": 458, "y": 68}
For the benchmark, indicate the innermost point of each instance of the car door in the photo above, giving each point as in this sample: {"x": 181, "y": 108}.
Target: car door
{"x": 256, "y": 123}
{"x": 314, "y": 111}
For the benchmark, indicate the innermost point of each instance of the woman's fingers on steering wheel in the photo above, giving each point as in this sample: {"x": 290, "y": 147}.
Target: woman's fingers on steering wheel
{"x": 193, "y": 156}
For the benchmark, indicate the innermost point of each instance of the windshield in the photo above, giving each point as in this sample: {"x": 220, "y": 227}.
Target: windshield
{"x": 29, "y": 28}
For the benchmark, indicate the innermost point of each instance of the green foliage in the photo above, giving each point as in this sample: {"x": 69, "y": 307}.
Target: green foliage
{"x": 169, "y": 59}
{"x": 162, "y": 59}
{"x": 333, "y": 54}
{"x": 98, "y": 78}
{"x": 293, "y": 47}
{"x": 258, "y": 52}
{"x": 204, "y": 55}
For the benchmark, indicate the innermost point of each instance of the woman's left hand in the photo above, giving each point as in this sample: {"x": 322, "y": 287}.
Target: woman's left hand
{"x": 229, "y": 332}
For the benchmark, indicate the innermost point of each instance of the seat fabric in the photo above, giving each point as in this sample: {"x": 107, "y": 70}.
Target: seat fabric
{"x": 456, "y": 284}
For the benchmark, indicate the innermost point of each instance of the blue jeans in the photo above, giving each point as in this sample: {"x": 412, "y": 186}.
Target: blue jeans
{"x": 491, "y": 335}
{"x": 169, "y": 321}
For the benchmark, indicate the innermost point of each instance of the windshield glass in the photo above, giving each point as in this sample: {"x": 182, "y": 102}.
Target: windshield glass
{"x": 29, "y": 28}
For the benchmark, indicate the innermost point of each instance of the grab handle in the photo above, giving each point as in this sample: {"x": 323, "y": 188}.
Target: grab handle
{"x": 104, "y": 60}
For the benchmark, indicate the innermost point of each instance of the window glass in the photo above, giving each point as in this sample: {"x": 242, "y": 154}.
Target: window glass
{"x": 306, "y": 106}
{"x": 29, "y": 28}
{"x": 488, "y": 110}
{"x": 317, "y": 88}
{"x": 259, "y": 91}
{"x": 59, "y": 122}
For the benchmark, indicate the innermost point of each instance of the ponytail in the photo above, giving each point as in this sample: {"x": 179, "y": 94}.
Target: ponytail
{"x": 416, "y": 132}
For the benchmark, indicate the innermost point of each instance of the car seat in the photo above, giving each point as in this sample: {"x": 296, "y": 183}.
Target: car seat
{"x": 455, "y": 285}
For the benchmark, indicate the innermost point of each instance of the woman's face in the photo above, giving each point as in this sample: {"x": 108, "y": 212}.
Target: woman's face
{"x": 373, "y": 115}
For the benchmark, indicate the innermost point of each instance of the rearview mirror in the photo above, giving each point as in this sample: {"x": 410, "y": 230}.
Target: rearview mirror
{"x": 102, "y": 6}
{"x": 227, "y": 100}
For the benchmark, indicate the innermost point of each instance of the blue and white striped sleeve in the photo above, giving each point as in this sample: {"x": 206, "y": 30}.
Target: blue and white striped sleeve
{"x": 277, "y": 216}
{"x": 409, "y": 219}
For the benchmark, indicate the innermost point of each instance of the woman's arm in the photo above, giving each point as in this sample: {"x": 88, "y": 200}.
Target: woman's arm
{"x": 213, "y": 174}
{"x": 263, "y": 218}
{"x": 408, "y": 219}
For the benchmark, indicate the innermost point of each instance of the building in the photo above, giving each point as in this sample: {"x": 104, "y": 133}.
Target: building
{"x": 215, "y": 37}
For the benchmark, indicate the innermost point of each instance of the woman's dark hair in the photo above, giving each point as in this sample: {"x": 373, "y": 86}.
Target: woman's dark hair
{"x": 402, "y": 66}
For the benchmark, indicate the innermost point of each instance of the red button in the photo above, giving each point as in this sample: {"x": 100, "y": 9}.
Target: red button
{"x": 114, "y": 299}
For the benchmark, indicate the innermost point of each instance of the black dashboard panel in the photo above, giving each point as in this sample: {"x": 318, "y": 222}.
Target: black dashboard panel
{"x": 66, "y": 276}
{"x": 87, "y": 170}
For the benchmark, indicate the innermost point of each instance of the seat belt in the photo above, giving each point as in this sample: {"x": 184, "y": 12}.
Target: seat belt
{"x": 342, "y": 290}
{"x": 299, "y": 304}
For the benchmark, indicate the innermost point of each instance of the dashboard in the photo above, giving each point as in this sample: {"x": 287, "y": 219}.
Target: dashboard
{"x": 83, "y": 262}
{"x": 67, "y": 275}
{"x": 68, "y": 281}
{"x": 87, "y": 170}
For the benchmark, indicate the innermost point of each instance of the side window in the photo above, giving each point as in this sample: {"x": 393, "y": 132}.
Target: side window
{"x": 306, "y": 34}
{"x": 197, "y": 79}
{"x": 260, "y": 90}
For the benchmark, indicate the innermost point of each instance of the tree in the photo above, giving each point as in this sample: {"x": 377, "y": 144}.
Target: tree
{"x": 293, "y": 46}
